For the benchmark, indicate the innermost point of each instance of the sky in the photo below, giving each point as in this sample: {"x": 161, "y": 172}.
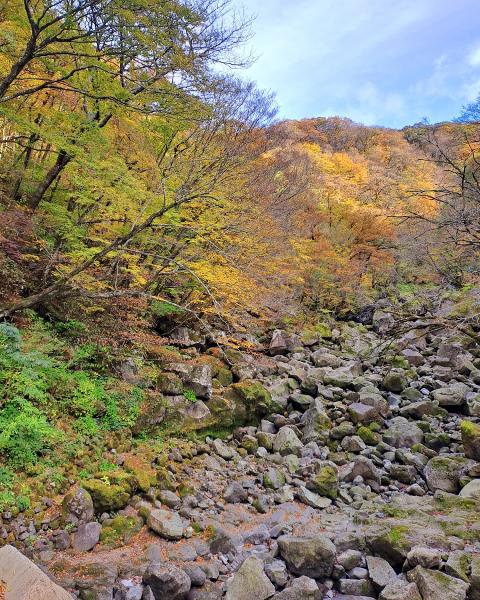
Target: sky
{"x": 378, "y": 62}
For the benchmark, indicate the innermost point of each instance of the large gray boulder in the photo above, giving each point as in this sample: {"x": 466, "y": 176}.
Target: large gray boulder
{"x": 167, "y": 581}
{"x": 443, "y": 473}
{"x": 380, "y": 572}
{"x": 77, "y": 507}
{"x": 363, "y": 467}
{"x": 401, "y": 590}
{"x": 434, "y": 585}
{"x": 250, "y": 582}
{"x": 403, "y": 433}
{"x": 86, "y": 536}
{"x": 471, "y": 490}
{"x": 167, "y": 524}
{"x": 286, "y": 442}
{"x": 451, "y": 395}
{"x": 278, "y": 343}
{"x": 24, "y": 580}
{"x": 302, "y": 588}
{"x": 312, "y": 556}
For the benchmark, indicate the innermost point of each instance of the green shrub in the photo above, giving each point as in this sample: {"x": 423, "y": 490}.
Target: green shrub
{"x": 24, "y": 432}
{"x": 190, "y": 396}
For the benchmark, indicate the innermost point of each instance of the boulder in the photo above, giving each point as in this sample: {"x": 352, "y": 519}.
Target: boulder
{"x": 77, "y": 507}
{"x": 279, "y": 343}
{"x": 312, "y": 556}
{"x": 362, "y": 413}
{"x": 363, "y": 467}
{"x": 287, "y": 442}
{"x": 380, "y": 572}
{"x": 471, "y": 490}
{"x": 413, "y": 357}
{"x": 167, "y": 581}
{"x": 451, "y": 395}
{"x": 394, "y": 382}
{"x": 302, "y": 588}
{"x": 443, "y": 473}
{"x": 235, "y": 493}
{"x": 315, "y": 420}
{"x": 167, "y": 524}
{"x": 199, "y": 380}
{"x": 250, "y": 582}
{"x": 471, "y": 439}
{"x": 430, "y": 558}
{"x": 435, "y": 584}
{"x": 24, "y": 580}
{"x": 400, "y": 590}
{"x": 86, "y": 536}
{"x": 311, "y": 498}
{"x": 382, "y": 321}
{"x": 324, "y": 480}
{"x": 107, "y": 497}
{"x": 403, "y": 433}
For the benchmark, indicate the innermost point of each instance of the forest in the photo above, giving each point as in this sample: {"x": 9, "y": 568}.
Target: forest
{"x": 162, "y": 229}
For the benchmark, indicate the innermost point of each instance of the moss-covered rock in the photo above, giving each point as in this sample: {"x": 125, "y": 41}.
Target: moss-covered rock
{"x": 325, "y": 481}
{"x": 252, "y": 401}
{"x": 106, "y": 496}
{"x": 118, "y": 531}
{"x": 471, "y": 439}
{"x": 142, "y": 471}
{"x": 368, "y": 436}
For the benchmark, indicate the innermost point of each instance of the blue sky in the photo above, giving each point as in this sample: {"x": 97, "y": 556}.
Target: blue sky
{"x": 383, "y": 62}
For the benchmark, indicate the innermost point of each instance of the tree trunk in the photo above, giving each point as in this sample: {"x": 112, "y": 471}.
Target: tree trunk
{"x": 62, "y": 161}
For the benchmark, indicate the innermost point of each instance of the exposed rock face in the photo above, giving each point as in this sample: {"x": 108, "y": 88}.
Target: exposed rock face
{"x": 311, "y": 556}
{"x": 24, "y": 580}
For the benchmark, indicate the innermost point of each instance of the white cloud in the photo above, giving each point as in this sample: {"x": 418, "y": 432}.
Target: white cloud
{"x": 474, "y": 57}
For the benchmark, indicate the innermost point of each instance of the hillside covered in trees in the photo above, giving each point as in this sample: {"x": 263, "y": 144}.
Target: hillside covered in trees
{"x": 178, "y": 265}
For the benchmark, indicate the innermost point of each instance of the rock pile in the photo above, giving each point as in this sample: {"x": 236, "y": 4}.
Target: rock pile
{"x": 355, "y": 473}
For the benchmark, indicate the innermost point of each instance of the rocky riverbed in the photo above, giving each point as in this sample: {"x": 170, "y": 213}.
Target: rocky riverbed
{"x": 348, "y": 468}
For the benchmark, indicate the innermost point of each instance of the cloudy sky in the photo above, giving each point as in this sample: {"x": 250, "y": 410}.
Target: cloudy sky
{"x": 385, "y": 62}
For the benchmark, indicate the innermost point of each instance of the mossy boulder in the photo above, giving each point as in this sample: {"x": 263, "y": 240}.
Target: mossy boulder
{"x": 368, "y": 436}
{"x": 77, "y": 507}
{"x": 152, "y": 413}
{"x": 252, "y": 401}
{"x": 443, "y": 473}
{"x": 394, "y": 382}
{"x": 471, "y": 439}
{"x": 106, "y": 496}
{"x": 143, "y": 472}
{"x": 325, "y": 481}
{"x": 118, "y": 531}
